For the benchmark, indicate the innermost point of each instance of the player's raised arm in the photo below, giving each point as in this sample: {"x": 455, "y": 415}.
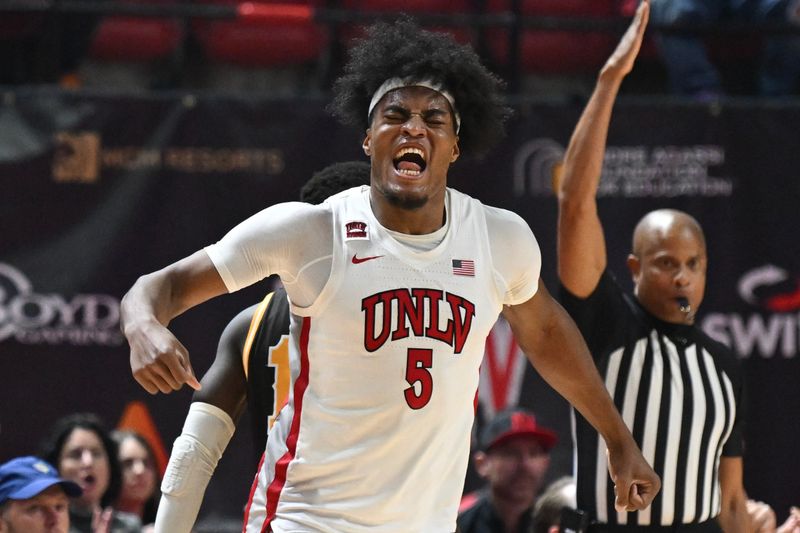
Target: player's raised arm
{"x": 581, "y": 245}
{"x": 159, "y": 361}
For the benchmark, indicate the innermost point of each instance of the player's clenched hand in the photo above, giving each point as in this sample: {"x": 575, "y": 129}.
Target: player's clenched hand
{"x": 635, "y": 482}
{"x": 159, "y": 362}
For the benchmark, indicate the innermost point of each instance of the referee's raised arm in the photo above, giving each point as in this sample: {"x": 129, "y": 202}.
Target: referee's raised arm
{"x": 581, "y": 244}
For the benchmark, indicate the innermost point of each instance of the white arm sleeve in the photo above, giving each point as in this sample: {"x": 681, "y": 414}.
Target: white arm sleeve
{"x": 206, "y": 433}
{"x": 516, "y": 255}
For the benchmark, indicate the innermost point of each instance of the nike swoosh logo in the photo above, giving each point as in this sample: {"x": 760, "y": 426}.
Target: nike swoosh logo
{"x": 357, "y": 260}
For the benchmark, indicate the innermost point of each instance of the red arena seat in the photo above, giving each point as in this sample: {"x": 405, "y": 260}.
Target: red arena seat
{"x": 261, "y": 42}
{"x": 414, "y": 7}
{"x": 555, "y": 51}
{"x": 135, "y": 39}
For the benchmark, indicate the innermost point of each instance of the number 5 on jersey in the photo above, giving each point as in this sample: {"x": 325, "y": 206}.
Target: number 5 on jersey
{"x": 417, "y": 364}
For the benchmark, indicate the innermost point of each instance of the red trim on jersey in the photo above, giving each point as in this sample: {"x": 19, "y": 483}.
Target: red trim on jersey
{"x": 252, "y": 492}
{"x": 275, "y": 488}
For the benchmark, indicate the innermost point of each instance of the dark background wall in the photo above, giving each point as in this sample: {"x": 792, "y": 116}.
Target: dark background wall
{"x": 96, "y": 190}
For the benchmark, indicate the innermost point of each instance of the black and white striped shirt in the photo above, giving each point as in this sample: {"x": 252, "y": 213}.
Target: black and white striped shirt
{"x": 677, "y": 390}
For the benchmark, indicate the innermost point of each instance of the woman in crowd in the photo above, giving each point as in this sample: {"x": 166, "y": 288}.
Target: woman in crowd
{"x": 83, "y": 451}
{"x": 140, "y": 492}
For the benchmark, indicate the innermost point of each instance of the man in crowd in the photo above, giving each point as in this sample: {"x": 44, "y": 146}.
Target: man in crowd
{"x": 553, "y": 507}
{"x": 33, "y": 499}
{"x": 513, "y": 458}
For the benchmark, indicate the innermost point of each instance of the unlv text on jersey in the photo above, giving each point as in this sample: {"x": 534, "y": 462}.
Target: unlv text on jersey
{"x": 417, "y": 310}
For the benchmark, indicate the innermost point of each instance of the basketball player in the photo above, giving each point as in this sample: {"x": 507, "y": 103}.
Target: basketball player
{"x": 250, "y": 368}
{"x": 393, "y": 289}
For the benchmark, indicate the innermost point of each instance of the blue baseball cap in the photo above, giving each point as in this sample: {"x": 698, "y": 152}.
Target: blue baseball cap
{"x": 25, "y": 477}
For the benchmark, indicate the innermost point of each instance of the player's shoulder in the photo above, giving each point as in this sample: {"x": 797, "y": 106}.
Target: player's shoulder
{"x": 502, "y": 223}
{"x": 495, "y": 216}
{"x": 289, "y": 214}
{"x": 498, "y": 215}
{"x": 276, "y": 303}
{"x": 233, "y": 336}
{"x": 346, "y": 195}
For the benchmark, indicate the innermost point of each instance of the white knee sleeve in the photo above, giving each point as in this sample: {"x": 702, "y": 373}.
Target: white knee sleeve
{"x": 195, "y": 454}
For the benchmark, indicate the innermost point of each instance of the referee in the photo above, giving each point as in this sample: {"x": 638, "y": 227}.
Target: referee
{"x": 679, "y": 392}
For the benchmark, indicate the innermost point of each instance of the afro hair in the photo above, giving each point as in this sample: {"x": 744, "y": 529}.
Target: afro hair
{"x": 333, "y": 179}
{"x": 402, "y": 49}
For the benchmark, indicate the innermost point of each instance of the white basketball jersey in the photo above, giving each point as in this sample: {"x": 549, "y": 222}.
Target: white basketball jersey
{"x": 385, "y": 365}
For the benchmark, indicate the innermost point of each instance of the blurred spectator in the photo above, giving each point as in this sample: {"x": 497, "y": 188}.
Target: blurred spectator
{"x": 33, "y": 499}
{"x": 792, "y": 524}
{"x": 84, "y": 452}
{"x": 762, "y": 517}
{"x": 686, "y": 58}
{"x": 561, "y": 494}
{"x": 140, "y": 492}
{"x": 549, "y": 505}
{"x": 763, "y": 520}
{"x": 513, "y": 458}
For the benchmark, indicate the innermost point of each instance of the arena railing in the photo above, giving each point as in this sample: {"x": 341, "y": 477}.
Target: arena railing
{"x": 269, "y": 12}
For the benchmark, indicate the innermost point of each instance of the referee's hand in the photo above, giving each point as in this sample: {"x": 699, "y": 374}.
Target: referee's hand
{"x": 620, "y": 63}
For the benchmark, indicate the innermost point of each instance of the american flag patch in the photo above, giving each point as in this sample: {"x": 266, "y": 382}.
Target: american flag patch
{"x": 463, "y": 267}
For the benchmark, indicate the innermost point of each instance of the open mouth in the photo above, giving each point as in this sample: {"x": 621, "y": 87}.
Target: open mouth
{"x": 410, "y": 162}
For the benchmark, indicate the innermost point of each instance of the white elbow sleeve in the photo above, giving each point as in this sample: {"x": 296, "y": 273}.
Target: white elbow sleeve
{"x": 195, "y": 454}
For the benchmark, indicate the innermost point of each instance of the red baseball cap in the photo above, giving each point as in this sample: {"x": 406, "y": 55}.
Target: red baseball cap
{"x": 514, "y": 423}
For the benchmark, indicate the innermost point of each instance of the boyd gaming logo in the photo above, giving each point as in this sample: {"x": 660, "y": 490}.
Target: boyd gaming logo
{"x": 537, "y": 167}
{"x": 775, "y": 328}
{"x": 33, "y": 318}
